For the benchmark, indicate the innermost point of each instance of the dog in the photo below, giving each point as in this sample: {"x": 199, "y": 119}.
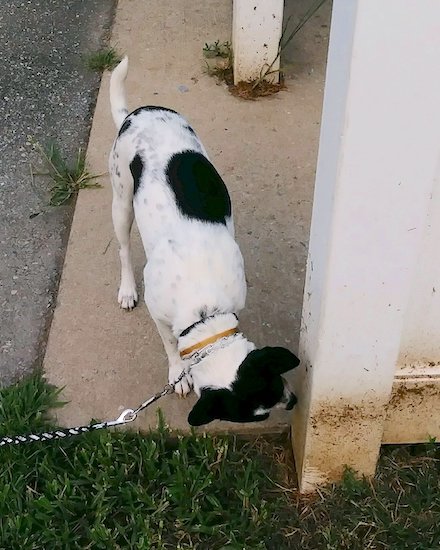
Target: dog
{"x": 194, "y": 276}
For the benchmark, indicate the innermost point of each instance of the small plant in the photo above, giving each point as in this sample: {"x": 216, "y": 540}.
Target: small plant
{"x": 221, "y": 61}
{"x": 217, "y": 49}
{"x": 67, "y": 179}
{"x": 102, "y": 60}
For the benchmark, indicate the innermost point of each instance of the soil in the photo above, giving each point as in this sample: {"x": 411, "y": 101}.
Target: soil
{"x": 255, "y": 89}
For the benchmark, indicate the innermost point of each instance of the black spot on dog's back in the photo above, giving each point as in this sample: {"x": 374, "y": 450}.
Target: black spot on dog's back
{"x": 199, "y": 190}
{"x": 136, "y": 167}
{"x": 125, "y": 126}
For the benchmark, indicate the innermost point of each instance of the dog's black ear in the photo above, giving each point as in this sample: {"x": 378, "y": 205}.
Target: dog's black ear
{"x": 205, "y": 410}
{"x": 278, "y": 360}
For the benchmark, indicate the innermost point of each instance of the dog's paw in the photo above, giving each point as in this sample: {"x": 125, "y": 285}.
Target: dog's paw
{"x": 185, "y": 385}
{"x": 127, "y": 297}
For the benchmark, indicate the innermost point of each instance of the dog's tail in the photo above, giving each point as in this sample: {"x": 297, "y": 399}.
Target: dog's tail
{"x": 118, "y": 102}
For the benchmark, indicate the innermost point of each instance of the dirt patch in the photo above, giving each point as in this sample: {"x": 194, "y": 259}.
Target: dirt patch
{"x": 254, "y": 90}
{"x": 345, "y": 433}
{"x": 412, "y": 395}
{"x": 413, "y": 411}
{"x": 221, "y": 68}
{"x": 333, "y": 415}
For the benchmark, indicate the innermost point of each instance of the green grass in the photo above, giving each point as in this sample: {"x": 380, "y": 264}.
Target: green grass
{"x": 217, "y": 49}
{"x": 105, "y": 59}
{"x": 67, "y": 177}
{"x": 122, "y": 490}
{"x": 221, "y": 61}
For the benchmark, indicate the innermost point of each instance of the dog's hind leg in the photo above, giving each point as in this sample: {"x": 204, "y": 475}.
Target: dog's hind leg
{"x": 123, "y": 214}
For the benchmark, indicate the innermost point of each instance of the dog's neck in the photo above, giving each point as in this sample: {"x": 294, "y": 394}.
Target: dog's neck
{"x": 219, "y": 367}
{"x": 204, "y": 328}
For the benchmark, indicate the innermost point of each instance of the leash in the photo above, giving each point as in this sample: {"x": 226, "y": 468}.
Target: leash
{"x": 127, "y": 416}
{"x": 194, "y": 354}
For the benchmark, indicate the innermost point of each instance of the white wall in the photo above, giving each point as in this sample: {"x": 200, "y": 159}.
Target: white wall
{"x": 420, "y": 343}
{"x": 378, "y": 169}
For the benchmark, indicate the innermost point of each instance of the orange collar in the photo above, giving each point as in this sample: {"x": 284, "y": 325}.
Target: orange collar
{"x": 207, "y": 341}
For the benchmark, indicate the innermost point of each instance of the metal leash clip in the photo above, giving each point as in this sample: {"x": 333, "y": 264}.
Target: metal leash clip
{"x": 125, "y": 417}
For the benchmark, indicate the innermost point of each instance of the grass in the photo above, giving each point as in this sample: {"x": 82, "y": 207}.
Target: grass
{"x": 67, "y": 178}
{"x": 220, "y": 64}
{"x": 157, "y": 491}
{"x": 217, "y": 49}
{"x": 105, "y": 59}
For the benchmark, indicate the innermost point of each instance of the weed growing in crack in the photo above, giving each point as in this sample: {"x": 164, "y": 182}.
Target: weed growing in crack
{"x": 105, "y": 59}
{"x": 67, "y": 178}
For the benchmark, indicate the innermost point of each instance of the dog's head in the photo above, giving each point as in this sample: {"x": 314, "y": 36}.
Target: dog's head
{"x": 257, "y": 388}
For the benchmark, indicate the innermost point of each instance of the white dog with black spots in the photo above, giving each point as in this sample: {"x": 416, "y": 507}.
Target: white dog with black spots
{"x": 194, "y": 277}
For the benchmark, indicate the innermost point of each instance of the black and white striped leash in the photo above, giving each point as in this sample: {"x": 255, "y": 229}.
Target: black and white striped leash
{"x": 129, "y": 415}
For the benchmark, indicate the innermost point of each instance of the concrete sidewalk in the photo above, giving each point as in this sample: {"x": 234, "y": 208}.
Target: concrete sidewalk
{"x": 108, "y": 360}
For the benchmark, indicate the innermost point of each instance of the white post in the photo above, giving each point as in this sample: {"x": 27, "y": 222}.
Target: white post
{"x": 379, "y": 160}
{"x": 256, "y": 32}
